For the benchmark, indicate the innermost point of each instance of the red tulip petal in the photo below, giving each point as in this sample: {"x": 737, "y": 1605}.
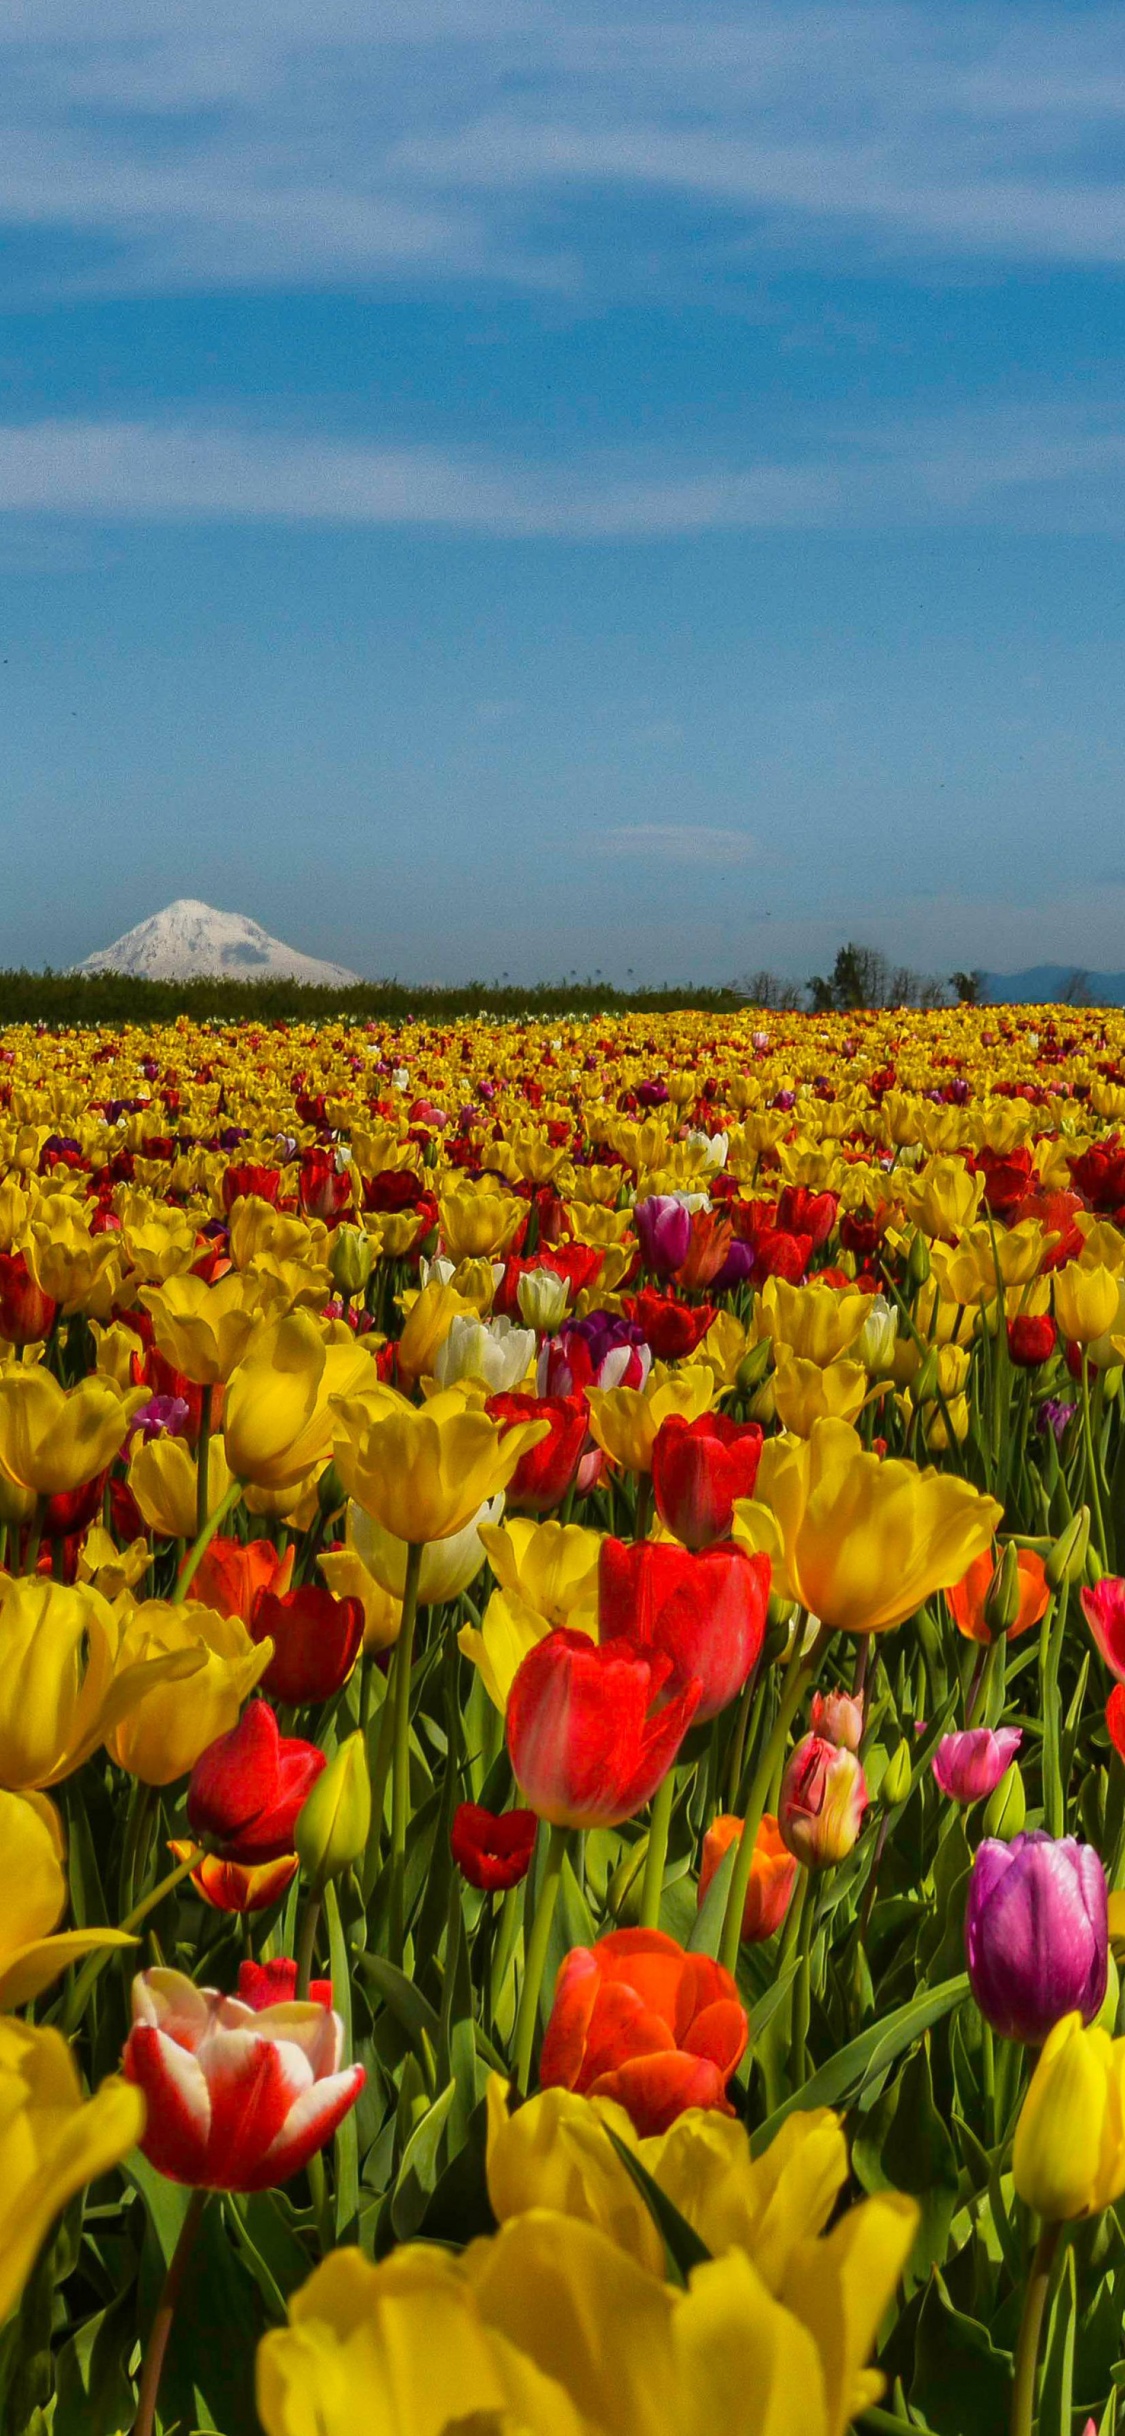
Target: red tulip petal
{"x": 622, "y": 2026}
{"x": 177, "y": 2101}
{"x": 564, "y": 2040}
{"x": 719, "y": 2033}
{"x": 655, "y": 2089}
{"x": 308, "y": 2125}
{"x": 254, "y": 2081}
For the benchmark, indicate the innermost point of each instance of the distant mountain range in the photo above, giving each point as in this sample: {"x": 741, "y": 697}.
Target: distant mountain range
{"x": 1047, "y": 984}
{"x": 189, "y": 939}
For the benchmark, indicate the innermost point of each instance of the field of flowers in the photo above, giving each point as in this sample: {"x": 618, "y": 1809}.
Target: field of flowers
{"x": 562, "y": 1727}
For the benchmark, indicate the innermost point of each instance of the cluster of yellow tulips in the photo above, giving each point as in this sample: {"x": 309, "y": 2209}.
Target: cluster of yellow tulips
{"x": 562, "y": 1698}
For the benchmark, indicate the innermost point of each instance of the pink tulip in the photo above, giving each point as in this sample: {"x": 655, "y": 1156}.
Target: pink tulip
{"x": 237, "y": 2100}
{"x": 822, "y": 1802}
{"x": 968, "y": 1767}
{"x": 1104, "y": 1610}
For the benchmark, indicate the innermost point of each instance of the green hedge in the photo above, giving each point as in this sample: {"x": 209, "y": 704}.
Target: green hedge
{"x": 116, "y": 998}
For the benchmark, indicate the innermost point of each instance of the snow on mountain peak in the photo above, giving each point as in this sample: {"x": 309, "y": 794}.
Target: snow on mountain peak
{"x": 189, "y": 938}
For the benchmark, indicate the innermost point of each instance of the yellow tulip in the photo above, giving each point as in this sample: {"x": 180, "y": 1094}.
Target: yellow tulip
{"x": 32, "y": 1861}
{"x": 477, "y": 1222}
{"x": 277, "y": 1418}
{"x": 52, "y": 2142}
{"x": 944, "y": 1198}
{"x": 160, "y": 1245}
{"x": 65, "y": 1681}
{"x": 116, "y": 1348}
{"x": 53, "y": 1439}
{"x": 625, "y": 1420}
{"x": 590, "y": 1223}
{"x": 347, "y": 1577}
{"x": 548, "y": 2328}
{"x": 165, "y": 1730}
{"x": 423, "y": 1474}
{"x": 203, "y": 1330}
{"x": 1069, "y": 2153}
{"x": 162, "y": 1477}
{"x": 555, "y": 2152}
{"x": 289, "y": 1285}
{"x": 804, "y": 1392}
{"x": 428, "y": 1321}
{"x": 64, "y": 1258}
{"x": 259, "y": 1232}
{"x": 553, "y": 1565}
{"x": 107, "y": 1567}
{"x": 1085, "y": 1302}
{"x": 863, "y": 1542}
{"x": 448, "y": 1565}
{"x": 818, "y": 1323}
{"x": 509, "y": 1627}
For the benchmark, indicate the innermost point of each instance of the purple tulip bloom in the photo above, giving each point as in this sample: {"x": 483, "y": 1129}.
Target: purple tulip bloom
{"x": 968, "y": 1767}
{"x": 1037, "y": 1933}
{"x": 664, "y": 1227}
{"x": 161, "y": 1417}
{"x": 736, "y": 1268}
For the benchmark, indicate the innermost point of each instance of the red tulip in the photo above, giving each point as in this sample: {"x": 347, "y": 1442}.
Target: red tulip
{"x": 802, "y": 1212}
{"x": 232, "y": 1573}
{"x": 1031, "y": 1340}
{"x": 316, "y": 1640}
{"x": 1115, "y": 1718}
{"x": 704, "y": 1616}
{"x": 324, "y": 1190}
{"x": 698, "y": 1469}
{"x": 235, "y": 2100}
{"x": 773, "y": 1874}
{"x": 585, "y": 1749}
{"x": 275, "y": 1983}
{"x": 26, "y": 1313}
{"x": 264, "y": 1183}
{"x": 491, "y": 1851}
{"x": 1104, "y": 1610}
{"x": 636, "y": 2019}
{"x": 543, "y": 1476}
{"x": 672, "y": 1329}
{"x": 247, "y": 1788}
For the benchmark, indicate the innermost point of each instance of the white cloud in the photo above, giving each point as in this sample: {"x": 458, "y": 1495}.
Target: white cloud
{"x": 221, "y": 144}
{"x": 674, "y": 842}
{"x": 1035, "y": 470}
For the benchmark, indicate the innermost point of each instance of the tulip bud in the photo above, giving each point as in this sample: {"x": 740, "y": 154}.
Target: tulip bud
{"x": 333, "y": 1827}
{"x": 924, "y": 1384}
{"x": 896, "y": 1778}
{"x": 838, "y": 1718}
{"x": 822, "y": 1802}
{"x": 543, "y": 1297}
{"x": 1006, "y": 1810}
{"x": 780, "y": 1618}
{"x": 1107, "y": 2018}
{"x": 753, "y": 1367}
{"x": 626, "y": 1886}
{"x": 1069, "y": 2159}
{"x": 349, "y": 1260}
{"x": 1002, "y": 1597}
{"x": 1092, "y": 1796}
{"x": 878, "y": 1337}
{"x": 1066, "y": 1561}
{"x": 918, "y": 1262}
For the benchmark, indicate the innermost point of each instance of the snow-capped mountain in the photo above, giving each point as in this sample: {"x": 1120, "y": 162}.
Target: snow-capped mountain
{"x": 188, "y": 939}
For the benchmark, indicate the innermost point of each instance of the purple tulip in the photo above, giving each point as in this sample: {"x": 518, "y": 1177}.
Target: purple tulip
{"x": 736, "y": 1268}
{"x": 968, "y": 1767}
{"x": 1036, "y": 1933}
{"x": 664, "y": 1227}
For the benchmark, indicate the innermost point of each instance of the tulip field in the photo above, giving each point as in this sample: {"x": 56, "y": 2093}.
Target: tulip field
{"x": 562, "y": 1726}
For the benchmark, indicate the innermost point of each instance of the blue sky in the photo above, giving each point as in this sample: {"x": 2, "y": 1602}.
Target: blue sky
{"x": 504, "y": 488}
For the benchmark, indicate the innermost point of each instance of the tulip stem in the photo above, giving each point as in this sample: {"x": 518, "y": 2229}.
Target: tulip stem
{"x": 402, "y": 1665}
{"x": 793, "y": 1690}
{"x": 1031, "y": 2327}
{"x": 307, "y": 1944}
{"x": 203, "y": 1461}
{"x": 198, "y": 1550}
{"x": 1092, "y": 1467}
{"x": 537, "y": 1956}
{"x": 161, "y": 2328}
{"x": 660, "y": 1820}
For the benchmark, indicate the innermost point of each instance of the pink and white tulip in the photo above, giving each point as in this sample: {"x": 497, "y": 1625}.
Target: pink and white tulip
{"x": 236, "y": 2099}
